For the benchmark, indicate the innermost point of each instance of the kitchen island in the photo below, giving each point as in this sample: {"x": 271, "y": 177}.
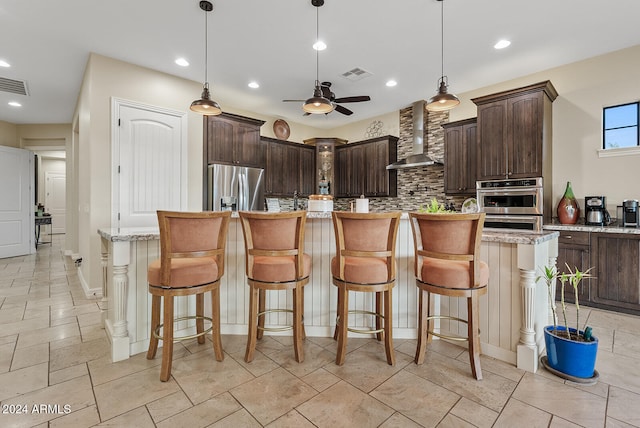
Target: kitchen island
{"x": 512, "y": 314}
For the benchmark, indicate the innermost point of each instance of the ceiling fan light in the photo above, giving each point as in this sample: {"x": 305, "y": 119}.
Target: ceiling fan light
{"x": 205, "y": 105}
{"x": 317, "y": 105}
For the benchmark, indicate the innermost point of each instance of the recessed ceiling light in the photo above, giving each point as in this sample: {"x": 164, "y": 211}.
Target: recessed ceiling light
{"x": 182, "y": 62}
{"x": 4, "y": 63}
{"x": 502, "y": 44}
{"x": 15, "y": 104}
{"x": 391, "y": 83}
{"x": 319, "y": 45}
{"x": 253, "y": 85}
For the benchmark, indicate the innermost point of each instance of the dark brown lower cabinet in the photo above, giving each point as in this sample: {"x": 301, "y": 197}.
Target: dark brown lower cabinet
{"x": 574, "y": 251}
{"x": 616, "y": 265}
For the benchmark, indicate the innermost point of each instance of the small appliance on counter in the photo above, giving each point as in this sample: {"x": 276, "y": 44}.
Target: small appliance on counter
{"x": 630, "y": 213}
{"x": 322, "y": 203}
{"x": 596, "y": 213}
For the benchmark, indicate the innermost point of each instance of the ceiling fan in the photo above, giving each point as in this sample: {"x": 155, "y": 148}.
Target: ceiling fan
{"x": 323, "y": 100}
{"x": 324, "y": 90}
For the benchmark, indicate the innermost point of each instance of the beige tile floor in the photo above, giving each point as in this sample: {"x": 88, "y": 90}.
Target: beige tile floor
{"x": 55, "y": 371}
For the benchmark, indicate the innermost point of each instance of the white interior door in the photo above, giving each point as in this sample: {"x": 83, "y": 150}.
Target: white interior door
{"x": 151, "y": 164}
{"x": 17, "y": 229}
{"x": 55, "y": 187}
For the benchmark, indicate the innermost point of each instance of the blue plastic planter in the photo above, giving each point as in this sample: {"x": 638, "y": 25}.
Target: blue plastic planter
{"x": 573, "y": 358}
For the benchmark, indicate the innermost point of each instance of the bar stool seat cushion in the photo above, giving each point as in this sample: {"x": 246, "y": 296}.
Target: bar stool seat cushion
{"x": 451, "y": 273}
{"x": 185, "y": 272}
{"x": 279, "y": 269}
{"x": 360, "y": 270}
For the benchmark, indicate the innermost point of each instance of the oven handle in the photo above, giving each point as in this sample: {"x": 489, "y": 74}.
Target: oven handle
{"x": 512, "y": 192}
{"x": 513, "y": 218}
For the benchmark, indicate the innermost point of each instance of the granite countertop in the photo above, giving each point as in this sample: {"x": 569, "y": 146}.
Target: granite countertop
{"x": 581, "y": 227}
{"x": 125, "y": 234}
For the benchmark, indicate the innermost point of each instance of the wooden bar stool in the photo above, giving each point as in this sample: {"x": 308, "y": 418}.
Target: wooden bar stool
{"x": 365, "y": 261}
{"x": 447, "y": 251}
{"x": 275, "y": 260}
{"x": 191, "y": 262}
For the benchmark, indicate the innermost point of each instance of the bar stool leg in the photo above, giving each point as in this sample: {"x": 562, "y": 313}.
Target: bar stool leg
{"x": 343, "y": 313}
{"x": 215, "y": 321}
{"x": 167, "y": 339}
{"x": 336, "y": 331}
{"x": 474, "y": 337}
{"x": 379, "y": 321}
{"x": 262, "y": 305}
{"x": 423, "y": 313}
{"x": 298, "y": 327}
{"x": 199, "y": 314}
{"x": 304, "y": 333}
{"x": 388, "y": 328}
{"x": 155, "y": 321}
{"x": 253, "y": 323}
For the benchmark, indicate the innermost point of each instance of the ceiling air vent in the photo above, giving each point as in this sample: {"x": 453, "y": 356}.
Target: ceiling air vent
{"x": 356, "y": 74}
{"x": 13, "y": 86}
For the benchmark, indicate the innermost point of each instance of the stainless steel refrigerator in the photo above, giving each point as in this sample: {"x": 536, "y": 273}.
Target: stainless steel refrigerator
{"x": 235, "y": 188}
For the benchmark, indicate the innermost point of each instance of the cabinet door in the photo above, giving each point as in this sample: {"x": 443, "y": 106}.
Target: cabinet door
{"x": 248, "y": 150}
{"x": 357, "y": 168}
{"x": 219, "y": 140}
{"x": 376, "y": 174}
{"x": 460, "y": 159}
{"x": 307, "y": 171}
{"x": 617, "y": 270}
{"x": 492, "y": 140}
{"x": 342, "y": 184}
{"x": 574, "y": 251}
{"x": 282, "y": 170}
{"x": 524, "y": 140}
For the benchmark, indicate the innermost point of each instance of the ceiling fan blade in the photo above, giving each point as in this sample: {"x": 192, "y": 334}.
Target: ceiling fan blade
{"x": 292, "y": 101}
{"x": 343, "y": 110}
{"x": 353, "y": 99}
{"x": 306, "y": 113}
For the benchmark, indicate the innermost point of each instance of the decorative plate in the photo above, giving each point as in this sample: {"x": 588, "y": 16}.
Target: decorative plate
{"x": 281, "y": 129}
{"x": 470, "y": 206}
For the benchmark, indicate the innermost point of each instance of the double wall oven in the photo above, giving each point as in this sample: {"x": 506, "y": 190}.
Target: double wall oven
{"x": 515, "y": 205}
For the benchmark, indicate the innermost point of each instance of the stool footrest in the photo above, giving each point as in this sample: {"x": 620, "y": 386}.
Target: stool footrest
{"x": 283, "y": 328}
{"x": 363, "y": 331}
{"x": 156, "y": 332}
{"x": 448, "y": 336}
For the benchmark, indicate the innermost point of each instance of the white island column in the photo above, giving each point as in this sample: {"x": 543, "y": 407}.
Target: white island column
{"x": 535, "y": 301}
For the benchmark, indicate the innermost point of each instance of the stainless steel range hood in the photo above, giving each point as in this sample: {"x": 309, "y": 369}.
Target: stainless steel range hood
{"x": 417, "y": 157}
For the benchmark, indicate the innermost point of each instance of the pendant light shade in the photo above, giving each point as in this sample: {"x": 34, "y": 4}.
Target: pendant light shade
{"x": 442, "y": 101}
{"x": 205, "y": 105}
{"x": 318, "y": 104}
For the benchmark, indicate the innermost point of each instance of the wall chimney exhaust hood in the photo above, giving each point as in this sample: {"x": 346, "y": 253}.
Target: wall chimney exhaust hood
{"x": 417, "y": 157}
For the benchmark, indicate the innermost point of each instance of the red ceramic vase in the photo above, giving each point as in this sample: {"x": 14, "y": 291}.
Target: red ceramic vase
{"x": 568, "y": 207}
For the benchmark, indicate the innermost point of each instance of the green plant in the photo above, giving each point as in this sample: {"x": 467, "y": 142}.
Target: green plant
{"x": 573, "y": 277}
{"x": 434, "y": 207}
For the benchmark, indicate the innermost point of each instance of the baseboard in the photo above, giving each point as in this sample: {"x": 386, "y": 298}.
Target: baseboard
{"x": 89, "y": 292}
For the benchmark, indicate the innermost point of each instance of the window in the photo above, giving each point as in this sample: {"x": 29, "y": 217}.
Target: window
{"x": 620, "y": 126}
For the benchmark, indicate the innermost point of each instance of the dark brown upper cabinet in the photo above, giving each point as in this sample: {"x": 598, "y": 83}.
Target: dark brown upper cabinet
{"x": 290, "y": 167}
{"x": 234, "y": 140}
{"x": 514, "y": 133}
{"x": 360, "y": 168}
{"x": 460, "y": 142}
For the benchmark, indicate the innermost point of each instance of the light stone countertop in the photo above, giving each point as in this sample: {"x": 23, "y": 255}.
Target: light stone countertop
{"x": 510, "y": 237}
{"x": 596, "y": 229}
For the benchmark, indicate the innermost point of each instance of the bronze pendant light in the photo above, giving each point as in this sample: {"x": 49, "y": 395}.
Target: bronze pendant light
{"x": 205, "y": 105}
{"x": 317, "y": 104}
{"x": 442, "y": 101}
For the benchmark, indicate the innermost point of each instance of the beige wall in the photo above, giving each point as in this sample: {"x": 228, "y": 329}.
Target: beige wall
{"x": 584, "y": 88}
{"x": 358, "y": 131}
{"x": 9, "y": 135}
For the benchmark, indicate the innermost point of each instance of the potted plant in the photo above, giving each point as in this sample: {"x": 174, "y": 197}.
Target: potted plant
{"x": 570, "y": 351}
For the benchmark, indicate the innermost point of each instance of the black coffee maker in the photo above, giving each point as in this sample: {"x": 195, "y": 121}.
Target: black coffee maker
{"x": 596, "y": 213}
